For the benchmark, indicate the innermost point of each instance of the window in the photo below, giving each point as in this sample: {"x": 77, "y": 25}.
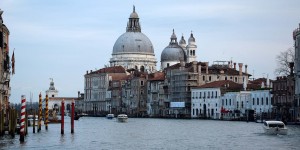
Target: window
{"x": 203, "y": 78}
{"x": 212, "y": 94}
{"x": 216, "y": 94}
{"x": 200, "y": 95}
{"x": 225, "y": 78}
{"x": 142, "y": 83}
{"x": 253, "y": 101}
{"x": 267, "y": 101}
{"x": 242, "y": 104}
{"x": 209, "y": 78}
{"x": 237, "y": 105}
{"x": 226, "y": 102}
{"x": 262, "y": 101}
{"x": 222, "y": 102}
{"x": 230, "y": 102}
{"x": 257, "y": 101}
{"x": 168, "y": 65}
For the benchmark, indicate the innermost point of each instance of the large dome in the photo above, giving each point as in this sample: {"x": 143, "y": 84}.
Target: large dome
{"x": 133, "y": 42}
{"x": 173, "y": 53}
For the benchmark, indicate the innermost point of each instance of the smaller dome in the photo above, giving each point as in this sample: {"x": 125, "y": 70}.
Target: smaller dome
{"x": 134, "y": 15}
{"x": 192, "y": 39}
{"x": 182, "y": 40}
{"x": 173, "y": 53}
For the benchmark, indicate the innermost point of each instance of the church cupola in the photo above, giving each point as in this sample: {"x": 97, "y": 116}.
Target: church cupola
{"x": 192, "y": 39}
{"x": 173, "y": 39}
{"x": 182, "y": 42}
{"x": 133, "y": 24}
{"x": 191, "y": 49}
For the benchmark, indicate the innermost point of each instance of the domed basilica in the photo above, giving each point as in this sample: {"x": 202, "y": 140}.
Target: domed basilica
{"x": 133, "y": 49}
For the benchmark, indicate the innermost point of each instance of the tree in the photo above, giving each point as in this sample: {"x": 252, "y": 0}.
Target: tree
{"x": 283, "y": 62}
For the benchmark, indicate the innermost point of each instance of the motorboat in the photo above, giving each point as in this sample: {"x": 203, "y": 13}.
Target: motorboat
{"x": 122, "y": 118}
{"x": 30, "y": 119}
{"x": 275, "y": 127}
{"x": 110, "y": 116}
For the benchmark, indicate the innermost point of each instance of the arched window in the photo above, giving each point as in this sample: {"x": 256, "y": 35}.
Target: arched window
{"x": 257, "y": 101}
{"x": 193, "y": 112}
{"x": 230, "y": 102}
{"x": 253, "y": 101}
{"x": 262, "y": 101}
{"x": 197, "y": 112}
{"x": 226, "y": 102}
{"x": 267, "y": 101}
{"x": 242, "y": 104}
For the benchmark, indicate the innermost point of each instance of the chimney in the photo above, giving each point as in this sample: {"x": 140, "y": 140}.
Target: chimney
{"x": 246, "y": 66}
{"x": 206, "y": 64}
{"x": 292, "y": 68}
{"x": 195, "y": 66}
{"x": 240, "y": 68}
{"x": 199, "y": 69}
{"x": 234, "y": 66}
{"x": 228, "y": 64}
{"x": 78, "y": 94}
{"x": 87, "y": 72}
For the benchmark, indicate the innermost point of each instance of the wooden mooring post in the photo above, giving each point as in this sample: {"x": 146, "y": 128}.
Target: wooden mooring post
{"x": 40, "y": 113}
{"x": 62, "y": 116}
{"x": 1, "y": 122}
{"x": 72, "y": 116}
{"x": 46, "y": 113}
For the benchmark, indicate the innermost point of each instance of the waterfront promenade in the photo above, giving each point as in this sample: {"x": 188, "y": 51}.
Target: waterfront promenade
{"x": 147, "y": 133}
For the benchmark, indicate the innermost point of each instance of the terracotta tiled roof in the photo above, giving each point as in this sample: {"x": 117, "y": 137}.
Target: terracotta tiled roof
{"x": 118, "y": 76}
{"x": 222, "y": 84}
{"x": 214, "y": 69}
{"x": 115, "y": 69}
{"x": 64, "y": 98}
{"x": 157, "y": 76}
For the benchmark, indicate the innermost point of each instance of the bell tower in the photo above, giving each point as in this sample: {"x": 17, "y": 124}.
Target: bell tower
{"x": 191, "y": 49}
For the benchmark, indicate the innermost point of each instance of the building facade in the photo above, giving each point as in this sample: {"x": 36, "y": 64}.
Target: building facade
{"x": 296, "y": 37}
{"x": 5, "y": 65}
{"x": 96, "y": 84}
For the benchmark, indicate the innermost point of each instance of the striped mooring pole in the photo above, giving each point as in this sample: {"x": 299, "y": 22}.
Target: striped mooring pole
{"x": 40, "y": 113}
{"x": 62, "y": 116}
{"x": 46, "y": 113}
{"x": 23, "y": 110}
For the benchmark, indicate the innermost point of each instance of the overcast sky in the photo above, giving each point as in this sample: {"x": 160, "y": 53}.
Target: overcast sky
{"x": 62, "y": 39}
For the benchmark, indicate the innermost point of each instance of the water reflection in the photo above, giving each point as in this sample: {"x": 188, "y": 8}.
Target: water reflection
{"x": 101, "y": 133}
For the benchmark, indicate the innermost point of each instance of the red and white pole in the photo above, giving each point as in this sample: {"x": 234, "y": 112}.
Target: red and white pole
{"x": 23, "y": 111}
{"x": 72, "y": 116}
{"x": 62, "y": 116}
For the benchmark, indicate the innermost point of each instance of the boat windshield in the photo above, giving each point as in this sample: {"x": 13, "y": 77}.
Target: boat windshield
{"x": 276, "y": 125}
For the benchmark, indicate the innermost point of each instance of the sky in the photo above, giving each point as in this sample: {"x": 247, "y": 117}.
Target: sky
{"x": 62, "y": 39}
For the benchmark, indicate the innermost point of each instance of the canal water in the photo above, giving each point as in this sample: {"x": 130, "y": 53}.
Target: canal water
{"x": 140, "y": 133}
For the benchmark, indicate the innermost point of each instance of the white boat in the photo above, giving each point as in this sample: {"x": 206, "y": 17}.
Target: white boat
{"x": 275, "y": 127}
{"x": 30, "y": 120}
{"x": 122, "y": 118}
{"x": 110, "y": 116}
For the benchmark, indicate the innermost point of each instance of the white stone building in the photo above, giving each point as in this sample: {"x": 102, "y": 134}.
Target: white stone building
{"x": 205, "y": 103}
{"x": 54, "y": 102}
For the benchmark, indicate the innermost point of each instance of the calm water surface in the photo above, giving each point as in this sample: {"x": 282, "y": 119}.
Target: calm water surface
{"x": 138, "y": 134}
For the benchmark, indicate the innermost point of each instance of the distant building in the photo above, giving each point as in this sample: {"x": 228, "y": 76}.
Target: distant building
{"x": 229, "y": 100}
{"x": 156, "y": 98}
{"x": 296, "y": 37}
{"x": 5, "y": 65}
{"x": 96, "y": 84}
{"x": 54, "y": 102}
